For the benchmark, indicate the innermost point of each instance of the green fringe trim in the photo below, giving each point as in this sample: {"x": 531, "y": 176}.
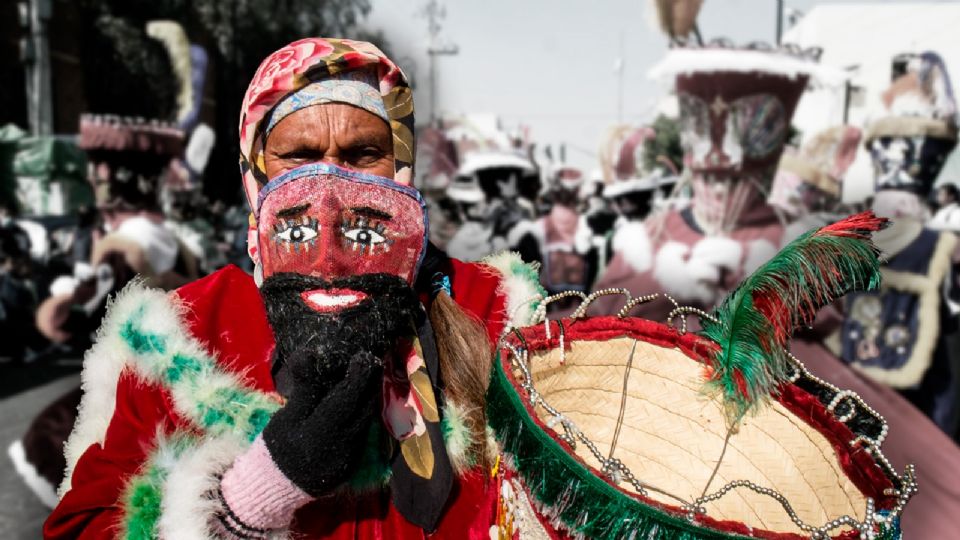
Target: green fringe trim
{"x": 565, "y": 489}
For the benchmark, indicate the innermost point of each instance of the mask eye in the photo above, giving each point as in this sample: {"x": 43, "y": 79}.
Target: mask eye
{"x": 761, "y": 122}
{"x": 365, "y": 236}
{"x": 298, "y": 232}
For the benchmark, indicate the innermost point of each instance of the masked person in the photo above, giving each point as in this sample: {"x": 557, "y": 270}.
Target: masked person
{"x": 809, "y": 182}
{"x": 343, "y": 398}
{"x": 899, "y": 336}
{"x": 685, "y": 259}
{"x": 632, "y": 192}
{"x": 736, "y": 106}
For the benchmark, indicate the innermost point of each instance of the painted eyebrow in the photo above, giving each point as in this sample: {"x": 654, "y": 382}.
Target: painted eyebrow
{"x": 293, "y": 211}
{"x": 371, "y": 213}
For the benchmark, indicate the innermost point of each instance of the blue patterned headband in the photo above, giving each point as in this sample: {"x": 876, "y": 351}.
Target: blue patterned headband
{"x": 357, "y": 88}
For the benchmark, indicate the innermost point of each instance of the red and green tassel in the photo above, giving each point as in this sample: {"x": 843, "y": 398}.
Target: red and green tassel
{"x": 755, "y": 322}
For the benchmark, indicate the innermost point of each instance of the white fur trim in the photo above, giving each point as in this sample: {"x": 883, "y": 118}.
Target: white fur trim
{"x": 458, "y": 437}
{"x": 681, "y": 61}
{"x": 519, "y": 289}
{"x": 622, "y": 187}
{"x": 524, "y": 227}
{"x": 583, "y": 237}
{"x": 38, "y": 485}
{"x": 633, "y": 242}
{"x": 693, "y": 274}
{"x": 190, "y": 503}
{"x": 63, "y": 286}
{"x": 102, "y": 366}
{"x": 199, "y": 391}
{"x": 928, "y": 290}
{"x": 759, "y": 251}
{"x": 718, "y": 251}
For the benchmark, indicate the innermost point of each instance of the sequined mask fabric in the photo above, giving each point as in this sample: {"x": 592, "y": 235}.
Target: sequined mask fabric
{"x": 328, "y": 222}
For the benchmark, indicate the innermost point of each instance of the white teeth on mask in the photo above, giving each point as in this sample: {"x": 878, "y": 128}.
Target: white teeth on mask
{"x": 333, "y": 300}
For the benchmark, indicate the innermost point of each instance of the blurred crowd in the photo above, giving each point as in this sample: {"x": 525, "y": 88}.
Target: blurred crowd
{"x": 89, "y": 214}
{"x": 520, "y": 199}
{"x": 688, "y": 206}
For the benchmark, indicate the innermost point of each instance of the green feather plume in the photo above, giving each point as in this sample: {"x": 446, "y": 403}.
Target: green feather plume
{"x": 754, "y": 323}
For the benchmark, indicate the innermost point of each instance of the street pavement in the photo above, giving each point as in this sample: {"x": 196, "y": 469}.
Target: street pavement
{"x": 21, "y": 512}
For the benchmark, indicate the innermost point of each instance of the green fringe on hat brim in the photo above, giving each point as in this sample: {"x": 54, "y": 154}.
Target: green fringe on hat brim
{"x": 564, "y": 490}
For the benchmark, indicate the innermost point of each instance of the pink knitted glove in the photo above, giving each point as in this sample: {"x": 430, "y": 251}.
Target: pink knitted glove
{"x": 258, "y": 499}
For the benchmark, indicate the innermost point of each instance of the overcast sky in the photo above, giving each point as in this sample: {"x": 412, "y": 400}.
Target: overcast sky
{"x": 549, "y": 64}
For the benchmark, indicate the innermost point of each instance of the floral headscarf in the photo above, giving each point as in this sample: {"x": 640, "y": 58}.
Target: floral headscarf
{"x": 303, "y": 63}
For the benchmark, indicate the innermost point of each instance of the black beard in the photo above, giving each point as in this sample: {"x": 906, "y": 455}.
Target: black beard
{"x": 315, "y": 348}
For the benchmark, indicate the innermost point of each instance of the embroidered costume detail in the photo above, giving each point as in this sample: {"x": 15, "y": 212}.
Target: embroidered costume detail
{"x": 520, "y": 284}
{"x": 913, "y": 342}
{"x": 516, "y": 516}
{"x": 756, "y": 320}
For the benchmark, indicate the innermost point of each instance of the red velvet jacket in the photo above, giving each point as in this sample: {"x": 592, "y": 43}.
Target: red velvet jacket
{"x": 224, "y": 311}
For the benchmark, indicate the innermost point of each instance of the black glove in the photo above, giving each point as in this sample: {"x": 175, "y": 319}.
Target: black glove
{"x": 318, "y": 437}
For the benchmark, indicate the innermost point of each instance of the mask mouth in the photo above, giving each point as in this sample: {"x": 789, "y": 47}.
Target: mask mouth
{"x": 332, "y": 300}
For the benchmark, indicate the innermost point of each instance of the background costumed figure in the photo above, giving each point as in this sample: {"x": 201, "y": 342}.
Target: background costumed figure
{"x": 735, "y": 110}
{"x": 899, "y": 336}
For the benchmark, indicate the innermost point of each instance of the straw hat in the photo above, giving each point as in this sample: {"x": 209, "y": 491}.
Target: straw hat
{"x": 611, "y": 425}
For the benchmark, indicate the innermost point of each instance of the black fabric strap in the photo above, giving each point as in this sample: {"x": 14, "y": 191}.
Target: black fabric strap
{"x": 422, "y": 501}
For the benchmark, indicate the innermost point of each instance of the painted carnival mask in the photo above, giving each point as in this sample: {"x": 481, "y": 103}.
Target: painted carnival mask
{"x": 324, "y": 221}
{"x": 909, "y": 163}
{"x": 910, "y": 145}
{"x": 735, "y": 124}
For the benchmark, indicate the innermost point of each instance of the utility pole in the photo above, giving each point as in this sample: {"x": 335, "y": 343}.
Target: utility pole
{"x": 618, "y": 67}
{"x": 779, "y": 20}
{"x": 35, "y": 54}
{"x": 435, "y": 12}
